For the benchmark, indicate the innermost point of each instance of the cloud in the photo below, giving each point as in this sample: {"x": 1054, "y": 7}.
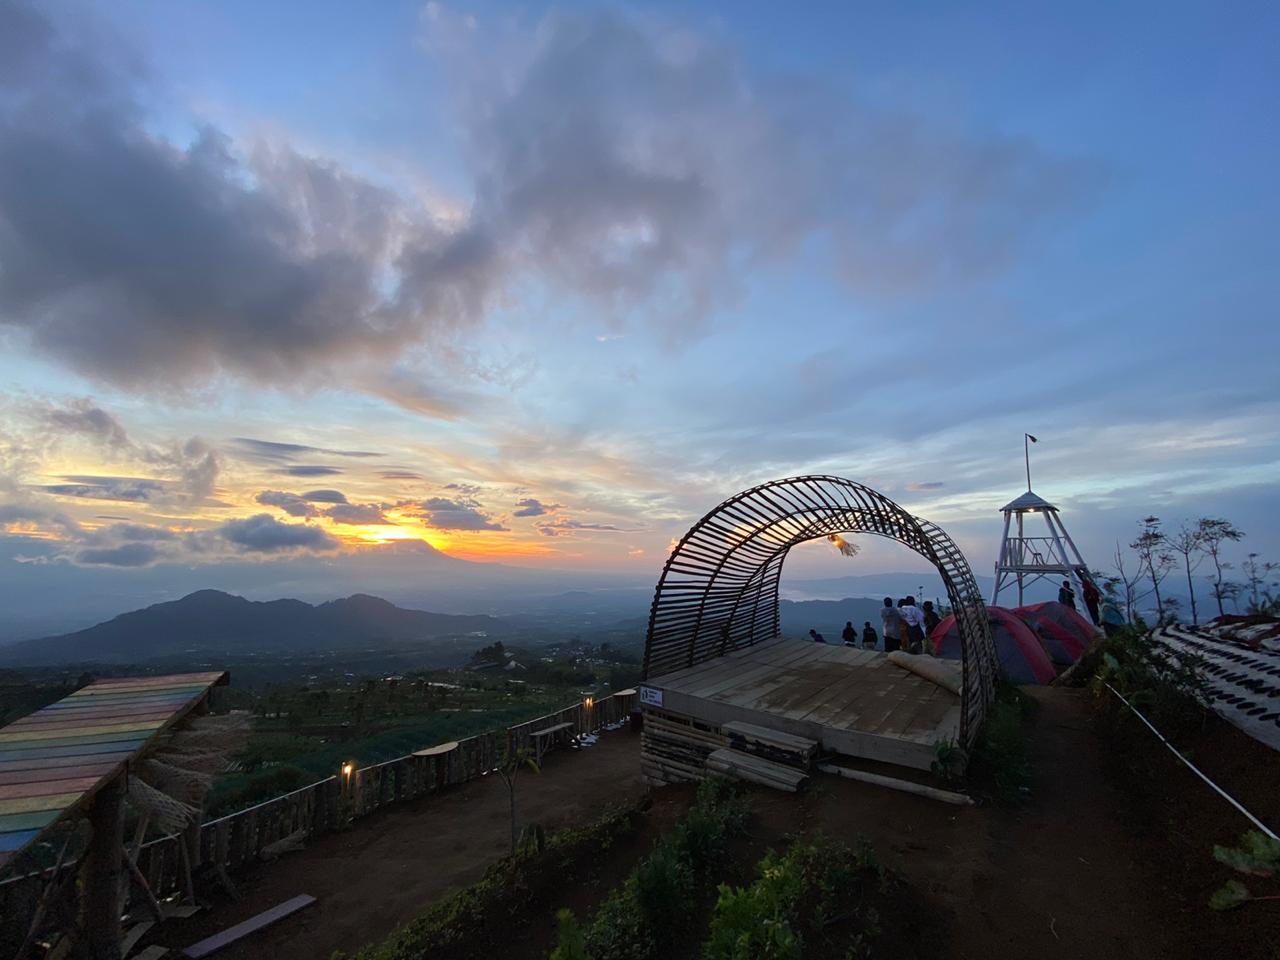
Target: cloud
{"x": 310, "y": 470}
{"x": 357, "y": 514}
{"x": 640, "y": 164}
{"x": 142, "y": 263}
{"x": 274, "y": 450}
{"x": 324, "y": 496}
{"x": 400, "y": 475}
{"x": 125, "y": 555}
{"x": 529, "y": 507}
{"x": 123, "y": 489}
{"x": 922, "y": 485}
{"x": 467, "y": 489}
{"x": 290, "y": 503}
{"x": 563, "y": 525}
{"x": 136, "y": 531}
{"x": 622, "y": 159}
{"x": 263, "y": 533}
{"x": 83, "y": 417}
{"x": 12, "y": 514}
{"x": 445, "y": 514}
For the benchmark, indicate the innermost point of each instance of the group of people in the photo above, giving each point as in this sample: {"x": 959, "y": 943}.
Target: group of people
{"x": 905, "y": 627}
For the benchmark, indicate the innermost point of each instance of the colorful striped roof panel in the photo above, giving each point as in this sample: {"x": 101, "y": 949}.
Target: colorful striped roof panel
{"x": 55, "y": 759}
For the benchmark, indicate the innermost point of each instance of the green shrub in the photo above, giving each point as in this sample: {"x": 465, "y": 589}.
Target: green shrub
{"x": 754, "y": 923}
{"x": 1165, "y": 684}
{"x": 811, "y": 903}
{"x": 662, "y": 881}
{"x": 571, "y": 945}
{"x": 643, "y": 917}
{"x": 618, "y": 930}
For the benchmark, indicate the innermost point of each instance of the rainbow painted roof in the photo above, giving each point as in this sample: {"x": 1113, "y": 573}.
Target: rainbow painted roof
{"x": 54, "y": 760}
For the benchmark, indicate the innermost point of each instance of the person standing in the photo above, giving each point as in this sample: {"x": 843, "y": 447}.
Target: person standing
{"x": 869, "y": 636}
{"x": 1091, "y": 598}
{"x": 931, "y": 618}
{"x": 849, "y": 635}
{"x": 1112, "y": 618}
{"x": 1067, "y": 596}
{"x": 891, "y": 621}
{"x": 913, "y": 616}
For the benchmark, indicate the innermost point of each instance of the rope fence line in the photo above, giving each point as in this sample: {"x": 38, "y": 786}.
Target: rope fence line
{"x": 1192, "y": 767}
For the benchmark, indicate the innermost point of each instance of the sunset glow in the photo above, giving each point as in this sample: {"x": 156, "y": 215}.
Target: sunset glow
{"x": 292, "y": 339}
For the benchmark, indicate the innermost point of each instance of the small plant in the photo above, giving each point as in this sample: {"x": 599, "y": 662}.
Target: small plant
{"x": 1258, "y": 855}
{"x": 533, "y": 839}
{"x": 949, "y": 760}
{"x": 571, "y": 945}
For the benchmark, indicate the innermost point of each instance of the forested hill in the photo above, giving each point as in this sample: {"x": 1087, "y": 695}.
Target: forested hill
{"x": 211, "y": 621}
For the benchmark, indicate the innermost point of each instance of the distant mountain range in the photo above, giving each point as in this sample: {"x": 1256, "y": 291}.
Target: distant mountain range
{"x": 828, "y": 617}
{"x": 880, "y": 585}
{"x": 210, "y": 621}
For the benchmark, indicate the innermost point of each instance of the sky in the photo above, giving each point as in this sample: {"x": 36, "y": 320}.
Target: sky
{"x": 298, "y": 288}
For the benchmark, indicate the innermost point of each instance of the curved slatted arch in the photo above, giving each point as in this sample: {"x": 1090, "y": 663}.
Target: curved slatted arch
{"x": 719, "y": 589}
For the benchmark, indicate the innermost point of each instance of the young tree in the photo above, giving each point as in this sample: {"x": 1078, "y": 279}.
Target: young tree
{"x": 1186, "y": 543}
{"x": 1154, "y": 558}
{"x": 1257, "y": 573}
{"x": 1126, "y": 583}
{"x": 1214, "y": 532}
{"x": 509, "y": 767}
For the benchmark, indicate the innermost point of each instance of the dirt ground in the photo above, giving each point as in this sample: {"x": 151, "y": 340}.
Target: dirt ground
{"x": 395, "y": 862}
{"x": 1075, "y": 872}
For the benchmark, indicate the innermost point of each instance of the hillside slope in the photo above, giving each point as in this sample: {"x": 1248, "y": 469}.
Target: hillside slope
{"x": 213, "y": 621}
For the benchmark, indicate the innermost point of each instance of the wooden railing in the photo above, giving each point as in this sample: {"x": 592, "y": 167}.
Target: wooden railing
{"x": 321, "y": 807}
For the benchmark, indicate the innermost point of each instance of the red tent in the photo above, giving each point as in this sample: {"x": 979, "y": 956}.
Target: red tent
{"x": 1064, "y": 632}
{"x": 1022, "y": 657}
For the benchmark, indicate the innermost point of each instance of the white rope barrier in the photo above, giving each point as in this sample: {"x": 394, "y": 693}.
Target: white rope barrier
{"x": 1226, "y": 796}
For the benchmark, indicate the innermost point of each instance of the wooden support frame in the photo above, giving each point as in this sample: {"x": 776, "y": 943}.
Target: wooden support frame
{"x": 718, "y": 591}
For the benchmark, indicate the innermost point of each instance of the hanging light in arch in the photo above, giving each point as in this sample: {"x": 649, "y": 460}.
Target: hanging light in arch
{"x": 843, "y": 545}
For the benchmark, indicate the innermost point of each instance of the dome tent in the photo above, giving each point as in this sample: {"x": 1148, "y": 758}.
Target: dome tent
{"x": 1022, "y": 658}
{"x": 1064, "y": 632}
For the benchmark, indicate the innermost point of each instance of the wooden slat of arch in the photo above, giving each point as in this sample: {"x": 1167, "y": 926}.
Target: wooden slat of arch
{"x": 727, "y": 570}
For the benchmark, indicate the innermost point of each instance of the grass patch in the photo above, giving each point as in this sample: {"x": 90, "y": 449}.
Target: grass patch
{"x": 1000, "y": 765}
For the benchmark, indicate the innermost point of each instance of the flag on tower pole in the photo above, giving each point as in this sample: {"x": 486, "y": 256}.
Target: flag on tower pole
{"x": 1026, "y": 453}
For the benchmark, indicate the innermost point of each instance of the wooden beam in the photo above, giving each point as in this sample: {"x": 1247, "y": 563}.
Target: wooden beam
{"x": 225, "y": 938}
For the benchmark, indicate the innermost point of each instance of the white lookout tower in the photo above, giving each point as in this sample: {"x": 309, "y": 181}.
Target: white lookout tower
{"x": 1025, "y": 559}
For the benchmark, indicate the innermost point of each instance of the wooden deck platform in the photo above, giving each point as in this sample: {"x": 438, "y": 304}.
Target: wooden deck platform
{"x": 854, "y": 702}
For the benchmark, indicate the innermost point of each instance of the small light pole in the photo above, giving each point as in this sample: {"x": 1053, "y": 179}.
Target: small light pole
{"x": 347, "y": 786}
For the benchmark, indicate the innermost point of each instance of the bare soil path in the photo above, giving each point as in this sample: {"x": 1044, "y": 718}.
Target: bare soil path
{"x": 395, "y": 862}
{"x": 1067, "y": 875}
{"x": 1056, "y": 878}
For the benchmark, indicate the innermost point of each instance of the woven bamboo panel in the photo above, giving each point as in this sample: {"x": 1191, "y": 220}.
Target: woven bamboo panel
{"x": 719, "y": 588}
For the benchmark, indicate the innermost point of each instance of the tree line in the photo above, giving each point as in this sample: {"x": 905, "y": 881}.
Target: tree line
{"x": 1158, "y": 553}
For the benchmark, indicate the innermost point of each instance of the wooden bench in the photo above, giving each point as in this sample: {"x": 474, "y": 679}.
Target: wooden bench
{"x": 547, "y": 737}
